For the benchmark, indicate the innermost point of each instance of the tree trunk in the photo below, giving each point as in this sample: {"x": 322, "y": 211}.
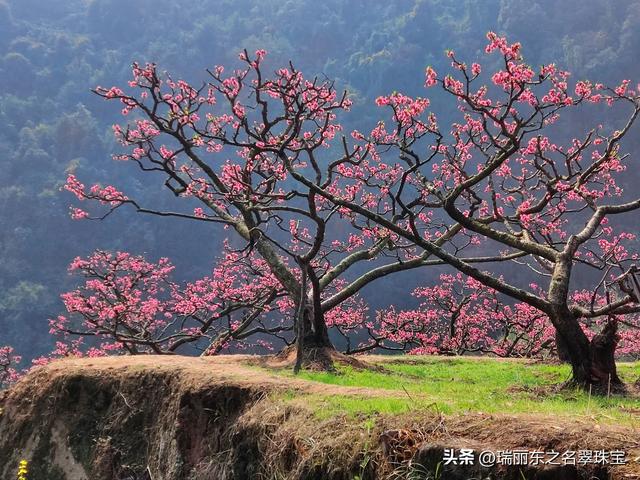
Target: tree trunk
{"x": 562, "y": 350}
{"x": 316, "y": 333}
{"x": 603, "y": 364}
{"x": 592, "y": 363}
{"x": 313, "y": 347}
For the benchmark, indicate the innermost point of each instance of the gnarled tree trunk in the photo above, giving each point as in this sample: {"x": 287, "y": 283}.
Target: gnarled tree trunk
{"x": 603, "y": 364}
{"x": 562, "y": 350}
{"x": 592, "y": 362}
{"x": 313, "y": 345}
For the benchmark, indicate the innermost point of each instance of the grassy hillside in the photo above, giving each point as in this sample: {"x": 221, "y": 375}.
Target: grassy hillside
{"x": 459, "y": 385}
{"x": 231, "y": 418}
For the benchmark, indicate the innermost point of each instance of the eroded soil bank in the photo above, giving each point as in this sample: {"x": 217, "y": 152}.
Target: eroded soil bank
{"x": 179, "y": 418}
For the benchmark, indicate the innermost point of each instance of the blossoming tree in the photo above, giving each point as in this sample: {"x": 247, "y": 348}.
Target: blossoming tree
{"x": 8, "y": 362}
{"x": 131, "y": 305}
{"x": 459, "y": 315}
{"x": 228, "y": 149}
{"x": 501, "y": 175}
{"x": 498, "y": 186}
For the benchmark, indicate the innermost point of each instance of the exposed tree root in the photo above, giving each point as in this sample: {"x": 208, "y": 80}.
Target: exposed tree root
{"x": 316, "y": 359}
{"x": 597, "y": 388}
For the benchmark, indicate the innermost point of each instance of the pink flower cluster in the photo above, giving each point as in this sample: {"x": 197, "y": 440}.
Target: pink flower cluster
{"x": 108, "y": 195}
{"x": 131, "y": 305}
{"x": 459, "y": 315}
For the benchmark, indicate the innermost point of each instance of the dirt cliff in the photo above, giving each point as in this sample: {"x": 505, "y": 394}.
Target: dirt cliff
{"x": 179, "y": 418}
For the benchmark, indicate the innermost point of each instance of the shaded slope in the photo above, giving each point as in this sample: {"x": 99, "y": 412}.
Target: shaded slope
{"x": 178, "y": 418}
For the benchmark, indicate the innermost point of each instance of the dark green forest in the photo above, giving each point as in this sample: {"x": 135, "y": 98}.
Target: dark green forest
{"x": 53, "y": 52}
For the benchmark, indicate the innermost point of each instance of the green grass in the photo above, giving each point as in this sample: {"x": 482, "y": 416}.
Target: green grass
{"x": 459, "y": 385}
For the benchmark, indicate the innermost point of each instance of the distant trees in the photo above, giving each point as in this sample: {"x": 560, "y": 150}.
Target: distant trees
{"x": 132, "y": 306}
{"x": 18, "y": 73}
{"x": 459, "y": 315}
